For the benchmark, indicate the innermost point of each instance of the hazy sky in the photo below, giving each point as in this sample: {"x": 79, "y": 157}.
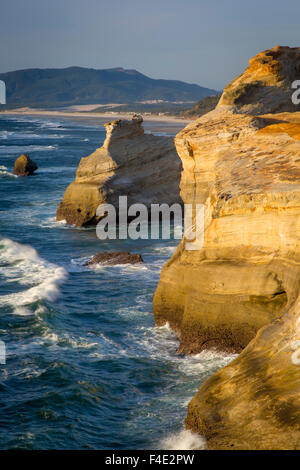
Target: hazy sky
{"x": 200, "y": 41}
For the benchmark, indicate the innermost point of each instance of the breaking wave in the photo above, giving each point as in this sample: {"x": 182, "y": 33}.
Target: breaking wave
{"x": 184, "y": 440}
{"x": 4, "y": 172}
{"x": 22, "y": 264}
{"x": 12, "y": 149}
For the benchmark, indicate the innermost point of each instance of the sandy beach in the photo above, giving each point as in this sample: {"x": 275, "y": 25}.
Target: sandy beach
{"x": 151, "y": 122}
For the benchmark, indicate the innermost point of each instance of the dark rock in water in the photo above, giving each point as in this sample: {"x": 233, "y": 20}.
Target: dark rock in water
{"x": 24, "y": 166}
{"x": 118, "y": 257}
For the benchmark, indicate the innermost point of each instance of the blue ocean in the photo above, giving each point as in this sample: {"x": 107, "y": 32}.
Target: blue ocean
{"x": 86, "y": 368}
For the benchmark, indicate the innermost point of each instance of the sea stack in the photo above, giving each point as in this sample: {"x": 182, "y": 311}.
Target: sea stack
{"x": 242, "y": 161}
{"x": 143, "y": 167}
{"x": 24, "y": 166}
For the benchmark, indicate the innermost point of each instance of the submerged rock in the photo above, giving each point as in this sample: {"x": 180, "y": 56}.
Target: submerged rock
{"x": 24, "y": 166}
{"x": 143, "y": 167}
{"x": 118, "y": 257}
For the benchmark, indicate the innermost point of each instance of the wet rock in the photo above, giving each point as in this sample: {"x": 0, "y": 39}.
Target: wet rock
{"x": 24, "y": 166}
{"x": 118, "y": 257}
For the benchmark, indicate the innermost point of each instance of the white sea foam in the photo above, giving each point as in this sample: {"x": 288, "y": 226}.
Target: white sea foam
{"x": 25, "y": 311}
{"x": 63, "y": 340}
{"x": 78, "y": 264}
{"x": 57, "y": 169}
{"x": 51, "y": 222}
{"x": 126, "y": 268}
{"x": 5, "y": 134}
{"x": 4, "y": 172}
{"x": 22, "y": 311}
{"x": 198, "y": 364}
{"x": 30, "y": 135}
{"x": 18, "y": 149}
{"x": 162, "y": 343}
{"x": 54, "y": 125}
{"x": 40, "y": 122}
{"x": 166, "y": 249}
{"x": 184, "y": 440}
{"x": 23, "y": 264}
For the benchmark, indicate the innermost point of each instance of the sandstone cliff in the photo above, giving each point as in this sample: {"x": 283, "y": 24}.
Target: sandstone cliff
{"x": 265, "y": 86}
{"x": 254, "y": 402}
{"x": 245, "y": 169}
{"x": 144, "y": 167}
{"x": 244, "y": 165}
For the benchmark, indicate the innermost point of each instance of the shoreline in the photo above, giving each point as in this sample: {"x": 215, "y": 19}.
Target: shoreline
{"x": 151, "y": 122}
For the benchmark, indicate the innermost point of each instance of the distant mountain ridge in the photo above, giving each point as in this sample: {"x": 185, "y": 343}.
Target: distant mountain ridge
{"x": 79, "y": 85}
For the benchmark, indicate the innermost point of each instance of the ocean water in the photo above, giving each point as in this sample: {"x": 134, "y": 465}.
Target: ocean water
{"x": 86, "y": 367}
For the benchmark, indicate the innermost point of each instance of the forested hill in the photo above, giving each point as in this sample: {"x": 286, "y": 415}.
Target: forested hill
{"x": 77, "y": 85}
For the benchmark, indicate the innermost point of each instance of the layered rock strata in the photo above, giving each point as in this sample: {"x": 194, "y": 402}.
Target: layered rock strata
{"x": 245, "y": 169}
{"x": 243, "y": 285}
{"x": 143, "y": 167}
{"x": 266, "y": 85}
{"x": 254, "y": 402}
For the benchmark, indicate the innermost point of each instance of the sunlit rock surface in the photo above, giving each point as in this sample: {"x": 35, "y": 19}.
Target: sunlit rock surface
{"x": 143, "y": 167}
{"x": 266, "y": 85}
{"x": 242, "y": 161}
{"x": 24, "y": 166}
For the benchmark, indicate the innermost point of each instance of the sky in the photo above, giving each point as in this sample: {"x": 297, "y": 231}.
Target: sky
{"x": 207, "y": 42}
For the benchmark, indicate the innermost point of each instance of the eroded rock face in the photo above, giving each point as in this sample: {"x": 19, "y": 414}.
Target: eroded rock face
{"x": 266, "y": 85}
{"x": 24, "y": 166}
{"x": 143, "y": 167}
{"x": 245, "y": 282}
{"x": 246, "y": 170}
{"x": 254, "y": 402}
{"x": 118, "y": 257}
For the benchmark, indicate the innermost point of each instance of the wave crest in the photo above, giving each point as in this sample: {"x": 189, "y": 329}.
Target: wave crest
{"x": 22, "y": 264}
